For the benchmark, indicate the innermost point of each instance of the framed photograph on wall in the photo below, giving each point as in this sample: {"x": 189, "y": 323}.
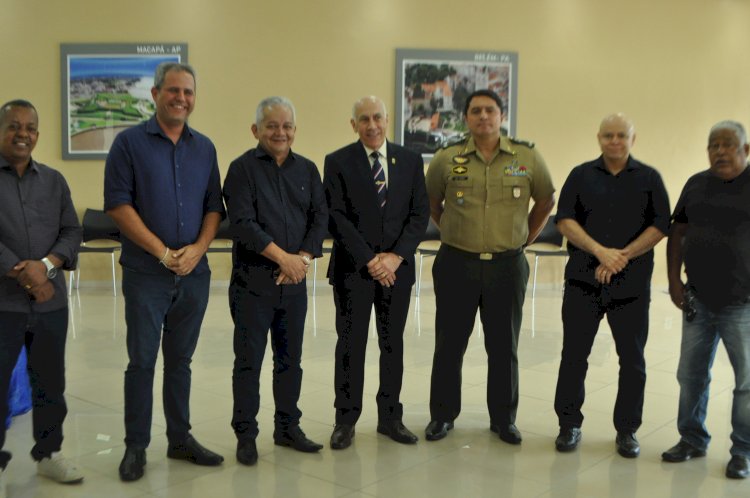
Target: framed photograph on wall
{"x": 106, "y": 88}
{"x": 431, "y": 90}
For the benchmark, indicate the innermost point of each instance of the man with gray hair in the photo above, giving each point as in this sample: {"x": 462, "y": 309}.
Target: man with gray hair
{"x": 710, "y": 235}
{"x": 162, "y": 188}
{"x": 613, "y": 211}
{"x": 378, "y": 214}
{"x": 278, "y": 217}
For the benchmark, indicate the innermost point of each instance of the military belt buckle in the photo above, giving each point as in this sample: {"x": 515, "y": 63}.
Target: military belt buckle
{"x": 485, "y": 256}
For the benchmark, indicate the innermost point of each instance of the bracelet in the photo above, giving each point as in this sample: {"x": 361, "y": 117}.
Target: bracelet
{"x": 164, "y": 258}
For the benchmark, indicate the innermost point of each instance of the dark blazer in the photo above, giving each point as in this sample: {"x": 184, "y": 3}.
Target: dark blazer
{"x": 359, "y": 228}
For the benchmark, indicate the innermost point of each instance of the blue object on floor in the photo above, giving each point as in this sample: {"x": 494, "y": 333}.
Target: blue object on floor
{"x": 19, "y": 392}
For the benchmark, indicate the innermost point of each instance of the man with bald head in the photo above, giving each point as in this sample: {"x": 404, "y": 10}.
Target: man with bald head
{"x": 378, "y": 214}
{"x": 613, "y": 211}
{"x": 710, "y": 234}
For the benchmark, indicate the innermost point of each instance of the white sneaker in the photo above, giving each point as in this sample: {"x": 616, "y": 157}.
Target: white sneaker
{"x": 3, "y": 478}
{"x": 60, "y": 469}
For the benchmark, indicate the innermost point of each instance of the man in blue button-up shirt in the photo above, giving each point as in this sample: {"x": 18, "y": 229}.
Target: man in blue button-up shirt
{"x": 162, "y": 188}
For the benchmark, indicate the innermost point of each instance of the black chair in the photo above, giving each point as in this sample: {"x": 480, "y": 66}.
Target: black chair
{"x": 427, "y": 248}
{"x": 550, "y": 242}
{"x": 223, "y": 240}
{"x": 98, "y": 227}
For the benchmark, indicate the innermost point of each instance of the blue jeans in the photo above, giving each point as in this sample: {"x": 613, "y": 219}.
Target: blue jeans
{"x": 176, "y": 305}
{"x": 700, "y": 338}
{"x": 44, "y": 335}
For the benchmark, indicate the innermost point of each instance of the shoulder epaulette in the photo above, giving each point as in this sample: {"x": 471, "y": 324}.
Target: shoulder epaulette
{"x": 455, "y": 140}
{"x": 518, "y": 141}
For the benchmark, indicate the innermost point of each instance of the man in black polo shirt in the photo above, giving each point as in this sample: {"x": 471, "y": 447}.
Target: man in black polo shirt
{"x": 278, "y": 214}
{"x": 613, "y": 210}
{"x": 710, "y": 234}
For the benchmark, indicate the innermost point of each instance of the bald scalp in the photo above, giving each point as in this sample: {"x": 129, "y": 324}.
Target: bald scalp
{"x": 366, "y": 100}
{"x": 618, "y": 118}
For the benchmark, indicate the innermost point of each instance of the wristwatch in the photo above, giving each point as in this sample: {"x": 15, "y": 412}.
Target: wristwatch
{"x": 51, "y": 270}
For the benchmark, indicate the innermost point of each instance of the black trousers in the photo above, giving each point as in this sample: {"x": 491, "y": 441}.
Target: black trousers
{"x": 584, "y": 306}
{"x": 497, "y": 288}
{"x": 253, "y": 315}
{"x": 44, "y": 335}
{"x": 354, "y": 300}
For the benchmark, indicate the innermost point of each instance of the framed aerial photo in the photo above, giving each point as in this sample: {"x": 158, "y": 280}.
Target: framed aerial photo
{"x": 431, "y": 90}
{"x": 106, "y": 88}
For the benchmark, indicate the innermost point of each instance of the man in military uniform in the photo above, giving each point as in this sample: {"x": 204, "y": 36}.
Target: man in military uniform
{"x": 480, "y": 190}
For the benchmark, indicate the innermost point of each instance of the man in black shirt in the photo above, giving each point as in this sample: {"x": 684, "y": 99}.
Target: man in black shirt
{"x": 711, "y": 234}
{"x": 39, "y": 233}
{"x": 278, "y": 216}
{"x": 613, "y": 210}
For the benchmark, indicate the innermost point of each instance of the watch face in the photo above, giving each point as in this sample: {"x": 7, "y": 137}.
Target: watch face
{"x": 52, "y": 273}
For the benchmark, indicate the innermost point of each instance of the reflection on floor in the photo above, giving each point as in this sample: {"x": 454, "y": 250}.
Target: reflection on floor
{"x": 470, "y": 462}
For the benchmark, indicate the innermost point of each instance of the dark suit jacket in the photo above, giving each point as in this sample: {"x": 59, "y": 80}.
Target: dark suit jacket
{"x": 359, "y": 229}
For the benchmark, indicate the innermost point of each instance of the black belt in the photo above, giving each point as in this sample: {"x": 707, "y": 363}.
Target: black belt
{"x": 484, "y": 256}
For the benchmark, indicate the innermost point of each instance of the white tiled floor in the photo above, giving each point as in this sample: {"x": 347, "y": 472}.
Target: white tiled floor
{"x": 471, "y": 461}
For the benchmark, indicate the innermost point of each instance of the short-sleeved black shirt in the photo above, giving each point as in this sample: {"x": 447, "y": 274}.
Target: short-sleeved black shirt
{"x": 614, "y": 210}
{"x": 716, "y": 246}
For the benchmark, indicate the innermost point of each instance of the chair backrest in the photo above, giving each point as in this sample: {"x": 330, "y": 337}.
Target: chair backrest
{"x": 97, "y": 225}
{"x": 432, "y": 233}
{"x": 550, "y": 234}
{"x": 224, "y": 232}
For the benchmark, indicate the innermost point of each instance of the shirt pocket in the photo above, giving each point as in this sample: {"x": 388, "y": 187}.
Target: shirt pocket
{"x": 300, "y": 194}
{"x": 457, "y": 189}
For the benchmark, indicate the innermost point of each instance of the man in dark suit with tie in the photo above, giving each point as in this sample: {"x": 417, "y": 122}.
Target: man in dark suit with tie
{"x": 378, "y": 214}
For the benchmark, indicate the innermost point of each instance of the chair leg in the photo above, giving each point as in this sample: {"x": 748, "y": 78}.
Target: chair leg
{"x": 315, "y": 274}
{"x": 70, "y": 283}
{"x": 536, "y": 265}
{"x": 418, "y": 287}
{"x": 114, "y": 280}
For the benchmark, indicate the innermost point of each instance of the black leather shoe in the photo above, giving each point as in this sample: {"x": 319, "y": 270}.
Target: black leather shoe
{"x": 436, "y": 430}
{"x": 192, "y": 451}
{"x": 293, "y": 437}
{"x": 508, "y": 433}
{"x": 342, "y": 436}
{"x": 682, "y": 452}
{"x": 568, "y": 439}
{"x": 397, "y": 431}
{"x": 132, "y": 466}
{"x": 737, "y": 468}
{"x": 247, "y": 453}
{"x": 627, "y": 444}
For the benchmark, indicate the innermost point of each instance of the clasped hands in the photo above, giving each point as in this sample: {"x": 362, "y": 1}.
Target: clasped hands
{"x": 611, "y": 262}
{"x": 293, "y": 268}
{"x": 32, "y": 276}
{"x": 184, "y": 260}
{"x": 382, "y": 268}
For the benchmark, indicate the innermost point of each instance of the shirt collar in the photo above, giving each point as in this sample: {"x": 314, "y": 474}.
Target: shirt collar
{"x": 383, "y": 150}
{"x": 5, "y": 165}
{"x": 261, "y": 153}
{"x": 503, "y": 144}
{"x": 153, "y": 128}
{"x": 631, "y": 165}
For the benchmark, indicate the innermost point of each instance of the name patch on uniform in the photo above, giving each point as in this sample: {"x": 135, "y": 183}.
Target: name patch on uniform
{"x": 460, "y": 159}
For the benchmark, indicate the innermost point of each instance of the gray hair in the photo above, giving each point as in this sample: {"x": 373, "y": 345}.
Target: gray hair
{"x": 165, "y": 67}
{"x": 273, "y": 102}
{"x": 371, "y": 98}
{"x": 732, "y": 126}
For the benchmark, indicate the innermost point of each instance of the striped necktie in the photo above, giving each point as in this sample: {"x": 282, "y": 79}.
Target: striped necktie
{"x": 379, "y": 176}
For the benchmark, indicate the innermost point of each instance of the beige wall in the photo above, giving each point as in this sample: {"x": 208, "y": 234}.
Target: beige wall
{"x": 675, "y": 66}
